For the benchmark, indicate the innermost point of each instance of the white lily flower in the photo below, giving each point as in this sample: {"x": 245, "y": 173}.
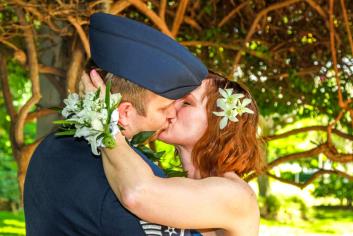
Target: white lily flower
{"x": 94, "y": 143}
{"x": 229, "y": 114}
{"x": 97, "y": 124}
{"x": 228, "y": 97}
{"x": 72, "y": 103}
{"x": 72, "y": 100}
{"x": 90, "y": 115}
{"x": 231, "y": 106}
{"x": 115, "y": 98}
{"x": 82, "y": 132}
{"x": 115, "y": 116}
{"x": 241, "y": 108}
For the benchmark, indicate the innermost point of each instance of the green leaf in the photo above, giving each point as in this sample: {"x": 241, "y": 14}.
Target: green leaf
{"x": 107, "y": 94}
{"x": 159, "y": 154}
{"x": 109, "y": 141}
{"x": 66, "y": 133}
{"x": 64, "y": 122}
{"x": 175, "y": 173}
{"x": 150, "y": 154}
{"x": 107, "y": 104}
{"x": 97, "y": 94}
{"x": 141, "y": 137}
{"x": 58, "y": 109}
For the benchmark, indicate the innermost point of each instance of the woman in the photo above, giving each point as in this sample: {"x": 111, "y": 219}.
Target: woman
{"x": 217, "y": 148}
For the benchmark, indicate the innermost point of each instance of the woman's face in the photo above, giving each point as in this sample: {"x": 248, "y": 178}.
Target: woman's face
{"x": 191, "y": 119}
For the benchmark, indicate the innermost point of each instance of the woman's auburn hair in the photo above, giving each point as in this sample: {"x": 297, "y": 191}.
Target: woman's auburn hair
{"x": 236, "y": 148}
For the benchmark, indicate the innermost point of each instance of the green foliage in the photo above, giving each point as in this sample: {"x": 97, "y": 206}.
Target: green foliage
{"x": 283, "y": 208}
{"x": 20, "y": 90}
{"x": 269, "y": 206}
{"x": 335, "y": 186}
{"x": 8, "y": 179}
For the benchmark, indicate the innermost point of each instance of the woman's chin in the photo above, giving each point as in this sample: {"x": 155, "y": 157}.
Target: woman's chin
{"x": 165, "y": 136}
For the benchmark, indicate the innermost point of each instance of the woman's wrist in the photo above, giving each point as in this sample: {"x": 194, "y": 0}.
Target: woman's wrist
{"x": 120, "y": 139}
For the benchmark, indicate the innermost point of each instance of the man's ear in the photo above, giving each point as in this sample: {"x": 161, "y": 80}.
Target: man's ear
{"x": 126, "y": 111}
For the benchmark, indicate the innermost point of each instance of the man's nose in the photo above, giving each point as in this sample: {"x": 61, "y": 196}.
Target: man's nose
{"x": 171, "y": 112}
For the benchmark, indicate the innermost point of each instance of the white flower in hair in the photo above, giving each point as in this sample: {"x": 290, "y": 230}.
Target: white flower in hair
{"x": 241, "y": 108}
{"x": 228, "y": 97}
{"x": 231, "y": 106}
{"x": 229, "y": 114}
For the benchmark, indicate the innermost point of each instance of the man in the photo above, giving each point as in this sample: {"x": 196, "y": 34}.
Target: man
{"x": 66, "y": 192}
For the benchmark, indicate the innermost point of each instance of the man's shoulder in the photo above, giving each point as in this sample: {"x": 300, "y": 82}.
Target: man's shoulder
{"x": 52, "y": 142}
{"x": 65, "y": 157}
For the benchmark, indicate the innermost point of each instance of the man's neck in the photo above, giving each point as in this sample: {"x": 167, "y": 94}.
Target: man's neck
{"x": 185, "y": 155}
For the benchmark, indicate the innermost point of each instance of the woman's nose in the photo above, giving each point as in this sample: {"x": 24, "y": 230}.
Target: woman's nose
{"x": 178, "y": 104}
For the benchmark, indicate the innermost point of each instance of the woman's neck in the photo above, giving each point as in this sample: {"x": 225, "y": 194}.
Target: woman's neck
{"x": 185, "y": 155}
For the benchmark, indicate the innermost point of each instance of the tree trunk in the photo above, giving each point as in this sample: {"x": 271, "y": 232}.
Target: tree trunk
{"x": 49, "y": 84}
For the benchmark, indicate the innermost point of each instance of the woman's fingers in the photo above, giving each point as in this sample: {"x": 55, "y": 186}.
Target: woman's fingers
{"x": 97, "y": 80}
{"x": 85, "y": 85}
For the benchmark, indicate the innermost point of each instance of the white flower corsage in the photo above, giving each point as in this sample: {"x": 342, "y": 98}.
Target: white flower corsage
{"x": 231, "y": 106}
{"x": 92, "y": 117}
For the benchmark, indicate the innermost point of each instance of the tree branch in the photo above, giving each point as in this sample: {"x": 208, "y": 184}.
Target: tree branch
{"x": 334, "y": 54}
{"x": 232, "y": 13}
{"x": 34, "y": 77}
{"x": 179, "y": 16}
{"x": 307, "y": 129}
{"x": 152, "y": 15}
{"x": 231, "y": 46}
{"x": 81, "y": 33}
{"x": 40, "y": 113}
{"x": 74, "y": 68}
{"x": 51, "y": 70}
{"x": 317, "y": 174}
{"x": 312, "y": 152}
{"x": 332, "y": 154}
{"x": 347, "y": 25}
{"x": 162, "y": 9}
{"x": 6, "y": 89}
{"x": 252, "y": 29}
{"x": 188, "y": 20}
{"x": 119, "y": 7}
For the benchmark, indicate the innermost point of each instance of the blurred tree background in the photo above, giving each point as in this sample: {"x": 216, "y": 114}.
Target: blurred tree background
{"x": 296, "y": 56}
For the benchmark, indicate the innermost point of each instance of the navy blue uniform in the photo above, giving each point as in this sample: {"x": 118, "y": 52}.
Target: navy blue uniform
{"x": 67, "y": 193}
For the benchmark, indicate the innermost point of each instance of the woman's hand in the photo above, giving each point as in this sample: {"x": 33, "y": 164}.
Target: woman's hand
{"x": 91, "y": 82}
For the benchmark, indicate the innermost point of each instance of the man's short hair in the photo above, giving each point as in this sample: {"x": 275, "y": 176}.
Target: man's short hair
{"x": 129, "y": 91}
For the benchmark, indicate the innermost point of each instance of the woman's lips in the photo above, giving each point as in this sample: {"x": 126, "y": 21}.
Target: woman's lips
{"x": 164, "y": 129}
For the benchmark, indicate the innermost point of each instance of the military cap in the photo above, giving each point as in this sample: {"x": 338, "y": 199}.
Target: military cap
{"x": 144, "y": 56}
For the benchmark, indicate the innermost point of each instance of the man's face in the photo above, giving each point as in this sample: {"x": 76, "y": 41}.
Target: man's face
{"x": 190, "y": 122}
{"x": 158, "y": 111}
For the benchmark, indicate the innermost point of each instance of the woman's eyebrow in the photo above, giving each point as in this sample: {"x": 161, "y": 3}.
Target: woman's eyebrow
{"x": 191, "y": 97}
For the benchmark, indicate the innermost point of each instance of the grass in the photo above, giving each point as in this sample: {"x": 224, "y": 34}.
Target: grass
{"x": 322, "y": 222}
{"x": 12, "y": 224}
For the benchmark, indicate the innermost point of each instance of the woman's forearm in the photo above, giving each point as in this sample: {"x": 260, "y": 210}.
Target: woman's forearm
{"x": 126, "y": 171}
{"x": 213, "y": 202}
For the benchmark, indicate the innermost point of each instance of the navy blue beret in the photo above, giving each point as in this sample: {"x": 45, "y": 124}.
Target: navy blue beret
{"x": 144, "y": 56}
